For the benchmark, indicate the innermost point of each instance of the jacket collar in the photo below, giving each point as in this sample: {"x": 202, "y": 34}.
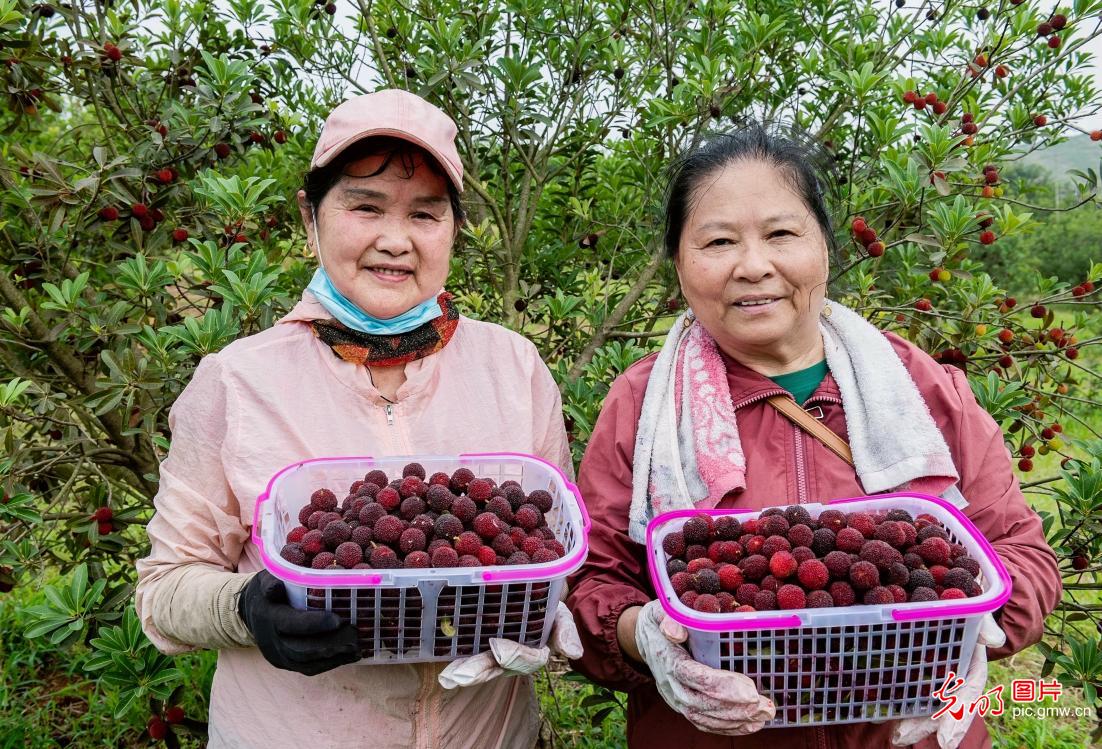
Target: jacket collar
{"x": 420, "y": 373}
{"x": 748, "y": 386}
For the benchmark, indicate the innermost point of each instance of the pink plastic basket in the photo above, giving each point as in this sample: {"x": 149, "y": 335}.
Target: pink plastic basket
{"x": 406, "y": 616}
{"x": 849, "y": 664}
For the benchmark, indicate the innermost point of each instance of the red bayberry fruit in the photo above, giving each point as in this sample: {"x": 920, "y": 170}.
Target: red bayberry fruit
{"x": 910, "y": 97}
{"x": 1025, "y": 465}
{"x": 940, "y": 107}
{"x": 111, "y": 52}
{"x": 1058, "y": 21}
{"x": 222, "y": 150}
{"x": 1054, "y": 42}
{"x": 987, "y": 237}
{"x": 875, "y": 249}
{"x": 1001, "y": 71}
{"x": 1040, "y": 120}
{"x": 179, "y": 235}
{"x": 157, "y": 728}
{"x": 109, "y": 213}
{"x": 1006, "y": 335}
{"x": 1006, "y": 361}
{"x": 1071, "y": 352}
{"x": 139, "y": 210}
{"x": 1037, "y": 311}
{"x": 859, "y": 225}
{"x": 1096, "y": 135}
{"x": 923, "y": 305}
{"x": 280, "y": 137}
{"x": 931, "y": 98}
{"x": 174, "y": 714}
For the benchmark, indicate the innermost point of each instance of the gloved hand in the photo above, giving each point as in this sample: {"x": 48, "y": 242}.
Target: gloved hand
{"x": 714, "y": 700}
{"x": 309, "y": 642}
{"x": 950, "y": 731}
{"x": 509, "y": 658}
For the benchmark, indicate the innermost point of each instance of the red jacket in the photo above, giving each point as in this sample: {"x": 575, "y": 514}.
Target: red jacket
{"x": 786, "y": 465}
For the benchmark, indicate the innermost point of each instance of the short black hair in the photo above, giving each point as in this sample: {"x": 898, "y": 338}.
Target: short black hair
{"x": 320, "y": 181}
{"x": 798, "y": 158}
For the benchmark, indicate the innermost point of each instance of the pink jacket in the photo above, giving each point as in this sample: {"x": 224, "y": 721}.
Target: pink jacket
{"x": 281, "y": 396}
{"x": 786, "y": 465}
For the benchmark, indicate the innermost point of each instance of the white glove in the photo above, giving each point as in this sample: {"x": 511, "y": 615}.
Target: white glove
{"x": 950, "y": 731}
{"x": 713, "y": 700}
{"x": 510, "y": 658}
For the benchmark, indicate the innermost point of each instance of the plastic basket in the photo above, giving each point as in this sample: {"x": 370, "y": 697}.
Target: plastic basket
{"x": 438, "y": 614}
{"x": 848, "y": 664}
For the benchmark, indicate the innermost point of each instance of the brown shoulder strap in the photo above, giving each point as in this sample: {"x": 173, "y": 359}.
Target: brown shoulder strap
{"x": 817, "y": 429}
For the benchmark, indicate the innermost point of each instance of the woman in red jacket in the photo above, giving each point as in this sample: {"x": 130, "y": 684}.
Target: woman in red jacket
{"x": 750, "y": 237}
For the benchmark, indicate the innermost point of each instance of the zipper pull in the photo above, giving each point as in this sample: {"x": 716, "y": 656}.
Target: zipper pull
{"x": 389, "y": 415}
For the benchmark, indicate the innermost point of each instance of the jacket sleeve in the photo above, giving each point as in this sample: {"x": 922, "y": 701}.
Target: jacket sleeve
{"x": 614, "y": 576}
{"x": 187, "y": 588}
{"x": 1000, "y": 512}
{"x": 550, "y": 430}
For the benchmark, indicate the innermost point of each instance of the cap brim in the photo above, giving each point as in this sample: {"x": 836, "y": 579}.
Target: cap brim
{"x": 327, "y": 157}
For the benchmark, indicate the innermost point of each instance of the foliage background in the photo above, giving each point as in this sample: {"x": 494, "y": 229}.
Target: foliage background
{"x": 150, "y": 155}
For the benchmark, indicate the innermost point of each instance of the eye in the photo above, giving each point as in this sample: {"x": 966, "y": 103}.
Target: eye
{"x": 367, "y": 208}
{"x": 425, "y": 216}
{"x": 781, "y": 233}
{"x": 719, "y": 242}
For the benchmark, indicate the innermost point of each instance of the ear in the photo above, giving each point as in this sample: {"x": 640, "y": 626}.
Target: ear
{"x": 307, "y": 220}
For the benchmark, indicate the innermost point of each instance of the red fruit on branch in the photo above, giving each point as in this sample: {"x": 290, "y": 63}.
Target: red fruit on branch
{"x": 103, "y": 515}
{"x": 1040, "y": 120}
{"x": 1058, "y": 21}
{"x": 105, "y": 528}
{"x": 969, "y": 128}
{"x": 859, "y": 225}
{"x": 987, "y": 237}
{"x": 1001, "y": 71}
{"x": 981, "y": 60}
{"x": 1071, "y": 352}
{"x": 923, "y": 305}
{"x": 1096, "y": 135}
{"x": 256, "y": 137}
{"x": 280, "y": 137}
{"x": 1027, "y": 451}
{"x": 179, "y": 234}
{"x": 931, "y": 98}
{"x": 109, "y": 213}
{"x": 1037, "y": 311}
{"x": 1054, "y": 42}
{"x": 157, "y": 728}
{"x": 139, "y": 210}
{"x": 875, "y": 249}
{"x": 1025, "y": 465}
{"x": 222, "y": 150}
{"x": 868, "y": 236}
{"x": 165, "y": 176}
{"x": 1006, "y": 361}
{"x": 991, "y": 176}
{"x": 148, "y": 223}
{"x": 1089, "y": 286}
{"x": 919, "y": 103}
{"x": 940, "y": 107}
{"x": 910, "y": 97}
{"x": 111, "y": 52}
{"x": 1044, "y": 29}
{"x": 1006, "y": 335}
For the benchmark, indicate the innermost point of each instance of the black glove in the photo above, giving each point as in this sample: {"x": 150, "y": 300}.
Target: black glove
{"x": 309, "y": 642}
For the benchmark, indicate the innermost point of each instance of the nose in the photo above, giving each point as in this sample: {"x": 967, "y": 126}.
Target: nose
{"x": 393, "y": 237}
{"x": 753, "y": 263}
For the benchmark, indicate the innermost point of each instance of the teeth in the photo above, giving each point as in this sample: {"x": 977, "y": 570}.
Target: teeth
{"x": 391, "y": 271}
{"x": 755, "y": 303}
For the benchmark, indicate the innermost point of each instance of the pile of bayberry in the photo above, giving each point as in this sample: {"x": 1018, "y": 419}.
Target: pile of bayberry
{"x": 785, "y": 559}
{"x": 445, "y": 521}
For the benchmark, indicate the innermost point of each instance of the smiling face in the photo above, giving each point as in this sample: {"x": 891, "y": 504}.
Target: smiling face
{"x": 752, "y": 262}
{"x": 385, "y": 238}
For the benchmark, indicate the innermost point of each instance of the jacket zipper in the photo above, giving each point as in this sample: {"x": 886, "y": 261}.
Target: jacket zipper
{"x": 389, "y": 408}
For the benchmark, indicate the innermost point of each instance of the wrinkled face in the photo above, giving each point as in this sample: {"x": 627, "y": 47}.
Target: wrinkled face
{"x": 752, "y": 262}
{"x": 385, "y": 240}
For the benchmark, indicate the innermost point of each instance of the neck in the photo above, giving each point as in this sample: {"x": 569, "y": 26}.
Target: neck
{"x": 775, "y": 361}
{"x": 387, "y": 380}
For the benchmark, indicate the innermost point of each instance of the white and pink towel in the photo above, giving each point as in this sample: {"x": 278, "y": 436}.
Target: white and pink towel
{"x": 687, "y": 448}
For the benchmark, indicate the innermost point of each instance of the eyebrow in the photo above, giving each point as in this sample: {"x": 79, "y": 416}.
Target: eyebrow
{"x": 364, "y": 192}
{"x": 779, "y": 218}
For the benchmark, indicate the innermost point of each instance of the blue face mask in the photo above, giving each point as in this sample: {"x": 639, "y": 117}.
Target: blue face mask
{"x": 340, "y": 307}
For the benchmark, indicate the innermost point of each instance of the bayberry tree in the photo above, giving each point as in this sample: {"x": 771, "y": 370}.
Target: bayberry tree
{"x": 152, "y": 152}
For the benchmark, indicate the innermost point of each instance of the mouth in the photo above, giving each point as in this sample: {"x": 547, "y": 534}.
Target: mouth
{"x": 389, "y": 273}
{"x": 755, "y": 302}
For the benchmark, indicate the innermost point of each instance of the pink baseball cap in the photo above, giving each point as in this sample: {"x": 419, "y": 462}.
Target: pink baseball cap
{"x": 391, "y": 113}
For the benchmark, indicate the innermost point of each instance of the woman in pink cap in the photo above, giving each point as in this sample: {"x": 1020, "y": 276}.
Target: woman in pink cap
{"x": 374, "y": 359}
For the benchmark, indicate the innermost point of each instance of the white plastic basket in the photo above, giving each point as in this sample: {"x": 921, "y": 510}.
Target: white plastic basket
{"x": 436, "y": 614}
{"x": 848, "y": 664}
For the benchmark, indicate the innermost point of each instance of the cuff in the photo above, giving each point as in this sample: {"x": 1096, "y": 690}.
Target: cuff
{"x": 635, "y": 674}
{"x": 226, "y": 613}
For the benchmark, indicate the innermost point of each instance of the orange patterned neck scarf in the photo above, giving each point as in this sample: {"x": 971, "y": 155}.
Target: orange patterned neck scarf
{"x": 390, "y": 350}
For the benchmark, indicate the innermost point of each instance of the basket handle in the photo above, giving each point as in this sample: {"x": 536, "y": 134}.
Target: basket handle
{"x": 258, "y": 516}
